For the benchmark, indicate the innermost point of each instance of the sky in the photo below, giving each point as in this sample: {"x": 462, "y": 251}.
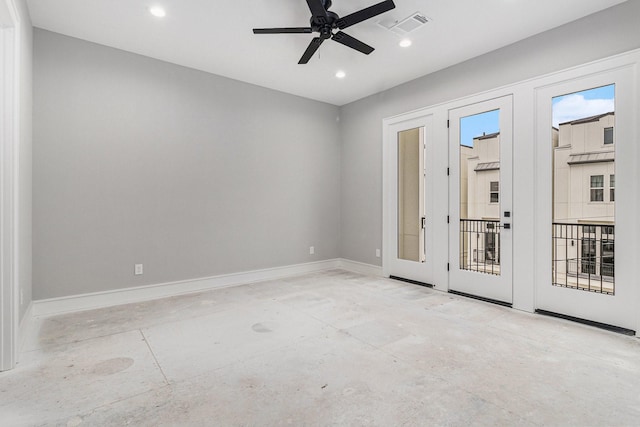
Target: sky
{"x": 472, "y": 126}
{"x": 583, "y": 104}
{"x": 566, "y": 108}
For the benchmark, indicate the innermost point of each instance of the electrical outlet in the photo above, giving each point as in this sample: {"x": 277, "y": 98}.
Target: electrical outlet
{"x": 138, "y": 269}
{"x": 377, "y": 253}
{"x": 312, "y": 250}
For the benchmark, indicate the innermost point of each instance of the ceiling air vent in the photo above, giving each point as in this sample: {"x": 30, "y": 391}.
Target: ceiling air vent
{"x": 405, "y": 26}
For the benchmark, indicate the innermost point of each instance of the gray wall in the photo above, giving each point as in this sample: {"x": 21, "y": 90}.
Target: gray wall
{"x": 609, "y": 32}
{"x": 193, "y": 175}
{"x": 25, "y": 161}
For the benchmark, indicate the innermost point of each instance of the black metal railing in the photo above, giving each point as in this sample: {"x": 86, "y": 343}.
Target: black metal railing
{"x": 583, "y": 257}
{"x": 480, "y": 246}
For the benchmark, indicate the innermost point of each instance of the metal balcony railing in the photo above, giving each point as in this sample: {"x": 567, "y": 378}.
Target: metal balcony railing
{"x": 480, "y": 246}
{"x": 583, "y": 257}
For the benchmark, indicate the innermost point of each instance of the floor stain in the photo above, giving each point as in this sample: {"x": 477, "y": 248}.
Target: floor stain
{"x": 112, "y": 366}
{"x": 261, "y": 327}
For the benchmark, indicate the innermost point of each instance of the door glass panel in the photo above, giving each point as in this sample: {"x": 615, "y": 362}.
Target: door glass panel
{"x": 480, "y": 193}
{"x": 583, "y": 144}
{"x": 410, "y": 195}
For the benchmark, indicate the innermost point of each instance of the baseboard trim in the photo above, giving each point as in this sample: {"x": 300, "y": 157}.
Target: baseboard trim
{"x": 75, "y": 303}
{"x": 360, "y": 267}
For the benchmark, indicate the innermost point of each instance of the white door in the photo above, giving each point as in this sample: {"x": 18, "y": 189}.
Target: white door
{"x": 586, "y": 198}
{"x": 481, "y": 218}
{"x": 408, "y": 184}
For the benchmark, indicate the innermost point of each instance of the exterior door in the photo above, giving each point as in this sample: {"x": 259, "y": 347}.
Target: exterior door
{"x": 481, "y": 218}
{"x": 408, "y": 221}
{"x": 586, "y": 167}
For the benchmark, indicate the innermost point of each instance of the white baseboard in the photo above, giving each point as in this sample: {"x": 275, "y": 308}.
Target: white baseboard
{"x": 360, "y": 267}
{"x": 75, "y": 303}
{"x": 95, "y": 300}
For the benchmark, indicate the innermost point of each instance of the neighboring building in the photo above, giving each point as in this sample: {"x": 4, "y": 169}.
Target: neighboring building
{"x": 584, "y": 203}
{"x": 584, "y": 170}
{"x": 480, "y": 204}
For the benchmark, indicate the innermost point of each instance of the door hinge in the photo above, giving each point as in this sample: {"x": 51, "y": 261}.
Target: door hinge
{"x": 447, "y": 219}
{"x": 448, "y": 171}
{"x": 447, "y": 266}
{"x": 447, "y": 124}
{"x": 424, "y": 222}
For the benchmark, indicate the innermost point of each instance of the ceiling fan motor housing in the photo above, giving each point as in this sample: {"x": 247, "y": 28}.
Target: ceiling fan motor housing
{"x": 324, "y": 25}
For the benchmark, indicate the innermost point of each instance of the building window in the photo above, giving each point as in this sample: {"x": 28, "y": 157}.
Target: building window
{"x": 492, "y": 248}
{"x": 597, "y": 188}
{"x": 612, "y": 188}
{"x": 607, "y": 250}
{"x": 608, "y": 135}
{"x": 494, "y": 192}
{"x": 588, "y": 260}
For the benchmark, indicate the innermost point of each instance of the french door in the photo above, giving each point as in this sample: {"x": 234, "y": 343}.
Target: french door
{"x": 480, "y": 202}
{"x": 408, "y": 207}
{"x": 586, "y": 196}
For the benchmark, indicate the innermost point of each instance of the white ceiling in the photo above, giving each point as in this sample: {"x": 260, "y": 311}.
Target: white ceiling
{"x": 216, "y": 36}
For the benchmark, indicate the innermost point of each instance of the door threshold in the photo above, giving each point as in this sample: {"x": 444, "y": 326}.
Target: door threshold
{"x": 605, "y": 326}
{"x": 492, "y": 301}
{"x": 415, "y": 282}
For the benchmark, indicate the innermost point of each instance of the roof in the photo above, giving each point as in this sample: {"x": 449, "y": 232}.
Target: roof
{"x": 488, "y": 136}
{"x": 599, "y": 157}
{"x": 488, "y": 166}
{"x": 587, "y": 119}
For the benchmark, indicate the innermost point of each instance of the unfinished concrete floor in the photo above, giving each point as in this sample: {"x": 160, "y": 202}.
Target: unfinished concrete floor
{"x": 330, "y": 348}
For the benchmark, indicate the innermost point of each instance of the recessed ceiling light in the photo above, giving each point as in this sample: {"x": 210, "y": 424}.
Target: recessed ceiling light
{"x": 405, "y": 43}
{"x": 158, "y": 11}
{"x": 341, "y": 74}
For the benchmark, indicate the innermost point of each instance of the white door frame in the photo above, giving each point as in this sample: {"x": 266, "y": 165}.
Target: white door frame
{"x": 9, "y": 142}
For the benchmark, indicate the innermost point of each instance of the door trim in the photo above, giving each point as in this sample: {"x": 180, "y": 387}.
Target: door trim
{"x": 9, "y": 148}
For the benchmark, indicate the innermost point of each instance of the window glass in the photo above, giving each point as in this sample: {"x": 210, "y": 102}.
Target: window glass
{"x": 479, "y": 174}
{"x": 494, "y": 192}
{"x": 608, "y": 135}
{"x": 612, "y": 188}
{"x": 583, "y": 172}
{"x": 410, "y": 199}
{"x": 597, "y": 188}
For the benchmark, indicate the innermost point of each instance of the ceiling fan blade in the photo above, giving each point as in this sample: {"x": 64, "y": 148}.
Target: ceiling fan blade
{"x": 317, "y": 8}
{"x": 313, "y": 46}
{"x": 293, "y": 30}
{"x": 352, "y": 42}
{"x": 364, "y": 14}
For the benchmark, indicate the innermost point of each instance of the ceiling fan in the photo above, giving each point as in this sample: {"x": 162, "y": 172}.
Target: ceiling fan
{"x": 324, "y": 21}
